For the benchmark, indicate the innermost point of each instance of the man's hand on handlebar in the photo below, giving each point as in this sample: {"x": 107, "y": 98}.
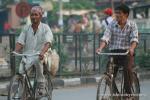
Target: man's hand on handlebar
{"x": 41, "y": 56}
{"x": 98, "y": 50}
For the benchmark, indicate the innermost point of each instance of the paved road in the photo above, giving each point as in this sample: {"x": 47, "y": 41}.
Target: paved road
{"x": 88, "y": 92}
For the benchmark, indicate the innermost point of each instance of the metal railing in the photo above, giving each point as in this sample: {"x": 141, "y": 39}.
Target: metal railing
{"x": 85, "y": 61}
{"x": 77, "y": 52}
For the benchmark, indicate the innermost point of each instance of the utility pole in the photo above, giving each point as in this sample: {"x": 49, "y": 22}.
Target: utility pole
{"x": 112, "y": 5}
{"x": 60, "y": 20}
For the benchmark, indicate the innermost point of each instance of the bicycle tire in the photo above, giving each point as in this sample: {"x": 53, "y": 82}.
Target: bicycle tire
{"x": 135, "y": 89}
{"x": 48, "y": 87}
{"x": 16, "y": 87}
{"x": 106, "y": 86}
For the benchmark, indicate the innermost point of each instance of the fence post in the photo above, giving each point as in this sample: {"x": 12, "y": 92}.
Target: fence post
{"x": 144, "y": 45}
{"x": 99, "y": 56}
{"x": 94, "y": 53}
{"x": 80, "y": 54}
{"x": 76, "y": 51}
{"x": 12, "y": 58}
{"x": 59, "y": 52}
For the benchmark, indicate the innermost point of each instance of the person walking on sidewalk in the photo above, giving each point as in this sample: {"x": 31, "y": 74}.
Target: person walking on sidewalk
{"x": 34, "y": 38}
{"x": 122, "y": 35}
{"x": 109, "y": 17}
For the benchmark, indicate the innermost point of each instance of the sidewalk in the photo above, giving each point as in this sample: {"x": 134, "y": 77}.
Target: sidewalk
{"x": 68, "y": 82}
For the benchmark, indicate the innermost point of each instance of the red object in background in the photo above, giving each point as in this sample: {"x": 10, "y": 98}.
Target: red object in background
{"x": 108, "y": 11}
{"x": 23, "y": 9}
{"x": 7, "y": 26}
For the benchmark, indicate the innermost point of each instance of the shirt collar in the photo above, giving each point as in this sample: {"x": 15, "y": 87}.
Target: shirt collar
{"x": 127, "y": 23}
{"x": 39, "y": 26}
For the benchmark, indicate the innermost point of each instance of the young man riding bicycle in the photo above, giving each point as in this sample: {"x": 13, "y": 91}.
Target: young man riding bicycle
{"x": 35, "y": 38}
{"x": 121, "y": 35}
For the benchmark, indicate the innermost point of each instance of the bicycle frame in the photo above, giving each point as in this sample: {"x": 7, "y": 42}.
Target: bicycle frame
{"x": 31, "y": 89}
{"x": 29, "y": 85}
{"x": 111, "y": 69}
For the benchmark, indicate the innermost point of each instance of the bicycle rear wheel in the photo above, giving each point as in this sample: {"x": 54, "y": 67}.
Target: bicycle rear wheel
{"x": 16, "y": 88}
{"x": 104, "y": 90}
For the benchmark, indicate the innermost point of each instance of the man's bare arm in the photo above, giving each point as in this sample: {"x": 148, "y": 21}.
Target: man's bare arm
{"x": 18, "y": 47}
{"x": 101, "y": 46}
{"x": 44, "y": 50}
{"x": 133, "y": 45}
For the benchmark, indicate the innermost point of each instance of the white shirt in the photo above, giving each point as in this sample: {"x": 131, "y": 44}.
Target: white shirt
{"x": 34, "y": 43}
{"x": 109, "y": 20}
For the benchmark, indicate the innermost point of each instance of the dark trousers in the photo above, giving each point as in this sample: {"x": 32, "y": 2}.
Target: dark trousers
{"x": 127, "y": 62}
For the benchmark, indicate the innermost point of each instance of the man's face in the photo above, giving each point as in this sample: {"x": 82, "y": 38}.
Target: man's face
{"x": 120, "y": 16}
{"x": 35, "y": 17}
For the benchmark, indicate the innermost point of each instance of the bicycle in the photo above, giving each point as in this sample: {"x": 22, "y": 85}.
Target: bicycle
{"x": 105, "y": 88}
{"x": 24, "y": 86}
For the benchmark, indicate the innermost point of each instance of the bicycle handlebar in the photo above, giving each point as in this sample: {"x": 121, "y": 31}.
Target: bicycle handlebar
{"x": 24, "y": 54}
{"x": 114, "y": 54}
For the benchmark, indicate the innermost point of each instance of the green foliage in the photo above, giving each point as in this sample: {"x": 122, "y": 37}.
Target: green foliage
{"x": 73, "y": 4}
{"x": 52, "y": 15}
{"x": 80, "y": 4}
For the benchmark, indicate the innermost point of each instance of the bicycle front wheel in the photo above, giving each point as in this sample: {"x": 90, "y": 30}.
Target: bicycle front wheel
{"x": 15, "y": 91}
{"x": 104, "y": 90}
{"x": 135, "y": 86}
{"x": 48, "y": 87}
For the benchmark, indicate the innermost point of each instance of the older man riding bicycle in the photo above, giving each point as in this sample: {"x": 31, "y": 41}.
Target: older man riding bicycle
{"x": 36, "y": 37}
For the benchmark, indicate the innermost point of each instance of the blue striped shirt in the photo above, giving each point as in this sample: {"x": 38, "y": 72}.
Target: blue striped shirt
{"x": 118, "y": 38}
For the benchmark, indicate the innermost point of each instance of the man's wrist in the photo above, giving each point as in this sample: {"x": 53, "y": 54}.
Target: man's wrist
{"x": 131, "y": 48}
{"x": 42, "y": 53}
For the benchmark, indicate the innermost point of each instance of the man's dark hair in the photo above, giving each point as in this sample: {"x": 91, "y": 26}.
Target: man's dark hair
{"x": 124, "y": 8}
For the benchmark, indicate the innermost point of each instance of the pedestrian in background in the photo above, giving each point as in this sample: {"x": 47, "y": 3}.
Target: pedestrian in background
{"x": 108, "y": 17}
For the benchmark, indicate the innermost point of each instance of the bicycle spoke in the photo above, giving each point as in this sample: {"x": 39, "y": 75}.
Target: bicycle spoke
{"x": 48, "y": 88}
{"x": 15, "y": 88}
{"x": 104, "y": 89}
{"x": 135, "y": 88}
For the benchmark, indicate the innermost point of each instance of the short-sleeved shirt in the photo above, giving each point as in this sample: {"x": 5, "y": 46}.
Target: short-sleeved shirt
{"x": 118, "y": 38}
{"x": 34, "y": 42}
